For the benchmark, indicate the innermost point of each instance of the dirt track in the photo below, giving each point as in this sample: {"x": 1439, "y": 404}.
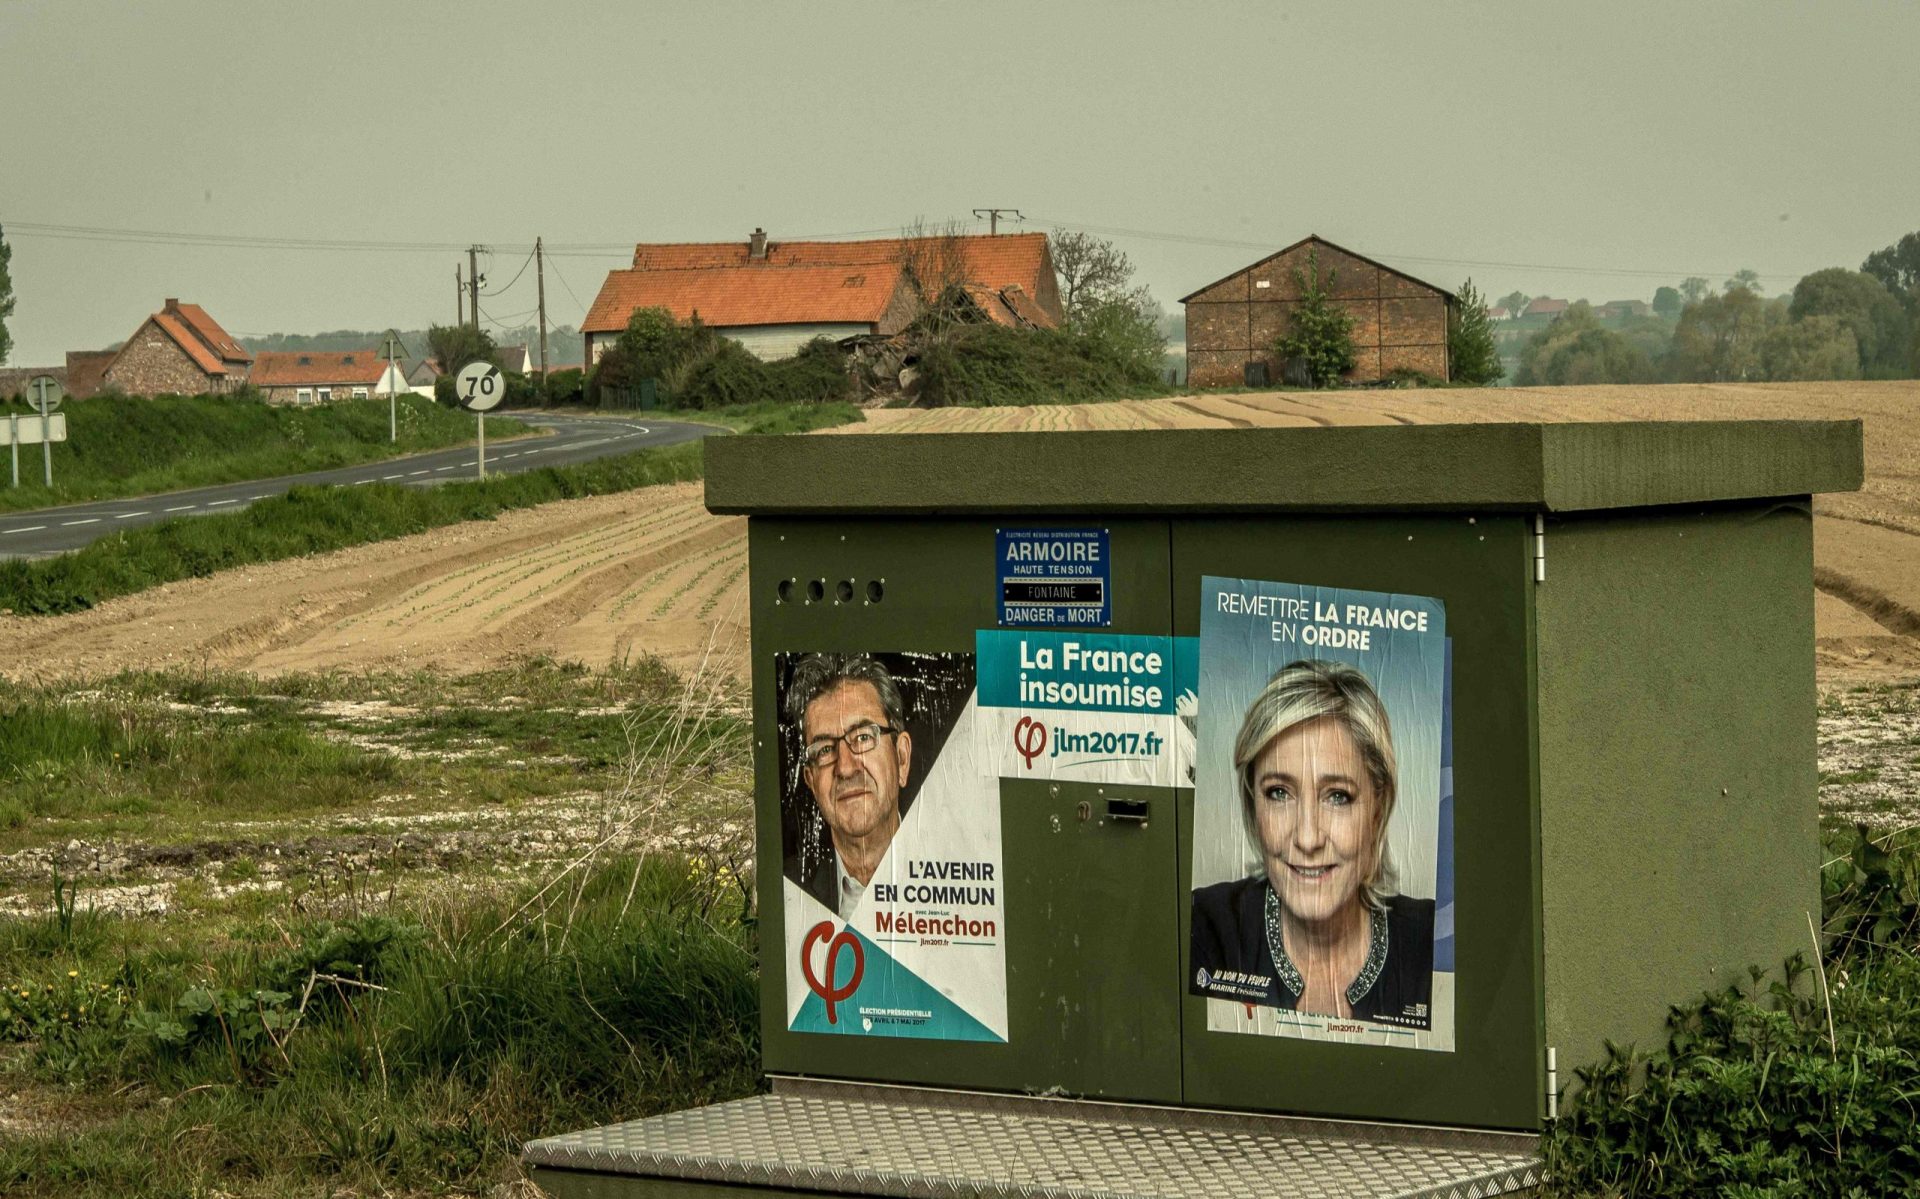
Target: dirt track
{"x": 651, "y": 572}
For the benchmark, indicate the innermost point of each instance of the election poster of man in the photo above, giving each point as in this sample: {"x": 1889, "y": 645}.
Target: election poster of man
{"x": 892, "y": 898}
{"x": 1322, "y": 864}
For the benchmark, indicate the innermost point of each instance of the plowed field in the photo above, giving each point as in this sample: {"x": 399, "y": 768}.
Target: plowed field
{"x": 650, "y": 572}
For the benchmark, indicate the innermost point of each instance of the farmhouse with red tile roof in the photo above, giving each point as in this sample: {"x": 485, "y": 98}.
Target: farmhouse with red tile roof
{"x": 317, "y": 376}
{"x": 773, "y": 297}
{"x": 179, "y": 350}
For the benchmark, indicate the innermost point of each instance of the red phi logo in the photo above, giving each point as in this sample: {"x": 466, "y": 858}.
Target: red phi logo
{"x": 825, "y": 988}
{"x": 1029, "y": 739}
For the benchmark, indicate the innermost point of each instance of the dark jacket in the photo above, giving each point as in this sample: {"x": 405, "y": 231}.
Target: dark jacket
{"x": 818, "y": 879}
{"x": 1232, "y": 958}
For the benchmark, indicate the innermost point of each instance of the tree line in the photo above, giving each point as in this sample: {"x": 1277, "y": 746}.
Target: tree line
{"x": 1836, "y": 324}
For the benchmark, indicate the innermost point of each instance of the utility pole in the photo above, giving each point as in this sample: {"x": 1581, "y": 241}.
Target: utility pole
{"x": 540, "y": 278}
{"x": 993, "y": 217}
{"x": 473, "y": 281}
{"x": 459, "y": 298}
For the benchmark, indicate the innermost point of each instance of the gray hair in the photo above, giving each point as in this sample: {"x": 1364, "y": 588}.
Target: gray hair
{"x": 816, "y": 674}
{"x": 1308, "y": 690}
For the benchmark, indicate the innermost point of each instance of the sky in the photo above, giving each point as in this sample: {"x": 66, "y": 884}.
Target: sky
{"x": 317, "y": 166}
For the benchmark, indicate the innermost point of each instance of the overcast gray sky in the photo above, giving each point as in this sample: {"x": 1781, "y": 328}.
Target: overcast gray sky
{"x": 1587, "y": 149}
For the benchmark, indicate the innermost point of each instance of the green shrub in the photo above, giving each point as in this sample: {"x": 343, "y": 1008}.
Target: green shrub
{"x": 1800, "y": 1086}
{"x": 994, "y": 365}
{"x": 1319, "y": 331}
{"x": 727, "y": 375}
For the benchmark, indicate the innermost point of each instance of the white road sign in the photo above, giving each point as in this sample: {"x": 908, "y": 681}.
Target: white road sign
{"x": 25, "y": 430}
{"x": 480, "y": 386}
{"x": 43, "y": 392}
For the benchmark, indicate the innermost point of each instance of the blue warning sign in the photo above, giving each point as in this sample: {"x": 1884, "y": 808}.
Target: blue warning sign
{"x": 1055, "y": 578}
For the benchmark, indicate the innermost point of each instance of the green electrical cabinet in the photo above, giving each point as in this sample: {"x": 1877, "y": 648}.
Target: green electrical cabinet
{"x": 1343, "y": 785}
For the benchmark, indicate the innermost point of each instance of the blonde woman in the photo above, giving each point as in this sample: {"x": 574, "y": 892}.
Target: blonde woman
{"x": 1320, "y": 930}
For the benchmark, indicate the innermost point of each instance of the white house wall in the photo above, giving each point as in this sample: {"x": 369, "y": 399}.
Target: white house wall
{"x": 771, "y": 342}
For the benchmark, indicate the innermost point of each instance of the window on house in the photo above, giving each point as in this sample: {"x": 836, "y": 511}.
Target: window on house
{"x": 326, "y": 394}
{"x": 359, "y": 393}
{"x": 303, "y": 396}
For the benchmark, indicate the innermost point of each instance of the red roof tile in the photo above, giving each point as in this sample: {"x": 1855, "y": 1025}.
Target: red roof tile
{"x": 990, "y": 262}
{"x": 210, "y": 332}
{"x": 741, "y": 295}
{"x": 177, "y": 329}
{"x": 317, "y": 368}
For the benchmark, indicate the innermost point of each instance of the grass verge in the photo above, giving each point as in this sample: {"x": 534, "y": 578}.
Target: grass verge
{"x": 123, "y": 446}
{"x": 311, "y": 520}
{"x": 381, "y": 984}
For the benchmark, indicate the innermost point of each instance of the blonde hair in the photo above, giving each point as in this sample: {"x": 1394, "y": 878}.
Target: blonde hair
{"x": 1309, "y": 690}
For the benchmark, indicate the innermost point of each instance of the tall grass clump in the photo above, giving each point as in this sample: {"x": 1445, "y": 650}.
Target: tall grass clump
{"x": 1802, "y": 1085}
{"x": 124, "y": 445}
{"x": 381, "y": 1054}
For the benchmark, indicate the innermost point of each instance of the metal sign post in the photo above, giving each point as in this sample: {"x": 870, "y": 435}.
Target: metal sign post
{"x": 46, "y": 397}
{"x": 394, "y": 349}
{"x": 13, "y": 439}
{"x": 479, "y": 387}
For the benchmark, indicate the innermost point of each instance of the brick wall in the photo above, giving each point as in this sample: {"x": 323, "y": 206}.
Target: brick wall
{"x": 1398, "y": 323}
{"x": 150, "y": 364}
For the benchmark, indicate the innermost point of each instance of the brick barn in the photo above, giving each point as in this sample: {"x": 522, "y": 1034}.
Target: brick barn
{"x": 179, "y": 350}
{"x": 1399, "y": 322}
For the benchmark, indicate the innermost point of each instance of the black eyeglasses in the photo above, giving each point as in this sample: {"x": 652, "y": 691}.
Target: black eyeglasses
{"x": 860, "y": 739}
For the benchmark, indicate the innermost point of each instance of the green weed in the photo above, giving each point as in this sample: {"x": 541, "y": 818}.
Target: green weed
{"x": 1799, "y": 1086}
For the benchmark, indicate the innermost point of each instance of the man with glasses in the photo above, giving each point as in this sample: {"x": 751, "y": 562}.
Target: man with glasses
{"x": 855, "y": 754}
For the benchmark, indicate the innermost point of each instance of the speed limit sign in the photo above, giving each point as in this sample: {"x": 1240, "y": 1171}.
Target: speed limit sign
{"x": 480, "y": 386}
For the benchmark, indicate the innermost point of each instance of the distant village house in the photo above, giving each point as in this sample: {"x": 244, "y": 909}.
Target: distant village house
{"x": 1399, "y": 322}
{"x": 774, "y": 297}
{"x": 321, "y": 376}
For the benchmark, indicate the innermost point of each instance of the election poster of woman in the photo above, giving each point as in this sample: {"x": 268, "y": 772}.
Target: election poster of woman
{"x": 1323, "y": 808}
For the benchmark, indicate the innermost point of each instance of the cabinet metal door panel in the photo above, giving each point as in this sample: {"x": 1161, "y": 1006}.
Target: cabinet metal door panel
{"x": 1480, "y": 570}
{"x": 1072, "y": 1022}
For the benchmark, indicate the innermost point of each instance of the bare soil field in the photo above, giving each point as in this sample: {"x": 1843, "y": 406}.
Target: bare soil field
{"x": 602, "y": 579}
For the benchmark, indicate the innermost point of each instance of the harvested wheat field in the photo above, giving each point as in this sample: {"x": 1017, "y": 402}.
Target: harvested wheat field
{"x": 649, "y": 572}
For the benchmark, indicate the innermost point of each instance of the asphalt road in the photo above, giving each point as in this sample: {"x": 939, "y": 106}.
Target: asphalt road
{"x": 44, "y": 531}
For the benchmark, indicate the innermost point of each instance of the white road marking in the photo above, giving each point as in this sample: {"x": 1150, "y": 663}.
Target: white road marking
{"x": 131, "y": 515}
{"x": 91, "y": 520}
{"x": 386, "y": 477}
{"x": 181, "y": 508}
{"x": 217, "y": 503}
{"x": 422, "y": 472}
{"x": 27, "y": 529}
{"x": 437, "y": 469}
{"x": 361, "y": 482}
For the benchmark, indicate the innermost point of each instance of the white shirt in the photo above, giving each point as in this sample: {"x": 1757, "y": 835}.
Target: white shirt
{"x": 849, "y": 890}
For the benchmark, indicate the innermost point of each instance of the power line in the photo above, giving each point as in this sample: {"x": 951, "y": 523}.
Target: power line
{"x": 516, "y": 276}
{"x": 569, "y": 287}
{"x": 500, "y": 323}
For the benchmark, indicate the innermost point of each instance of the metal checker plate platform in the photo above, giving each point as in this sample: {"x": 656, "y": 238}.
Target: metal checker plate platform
{"x": 1020, "y": 1149}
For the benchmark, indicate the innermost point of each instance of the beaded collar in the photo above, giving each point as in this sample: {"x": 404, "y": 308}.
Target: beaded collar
{"x": 1290, "y": 974}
